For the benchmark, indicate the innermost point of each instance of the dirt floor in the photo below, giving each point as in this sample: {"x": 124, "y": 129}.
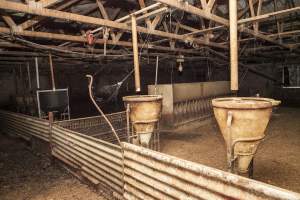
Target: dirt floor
{"x": 25, "y": 175}
{"x": 277, "y": 160}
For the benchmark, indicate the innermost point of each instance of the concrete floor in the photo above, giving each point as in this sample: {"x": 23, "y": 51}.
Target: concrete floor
{"x": 277, "y": 160}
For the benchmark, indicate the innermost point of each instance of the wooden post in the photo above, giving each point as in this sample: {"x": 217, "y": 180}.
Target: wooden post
{"x": 52, "y": 72}
{"x": 233, "y": 45}
{"x": 135, "y": 55}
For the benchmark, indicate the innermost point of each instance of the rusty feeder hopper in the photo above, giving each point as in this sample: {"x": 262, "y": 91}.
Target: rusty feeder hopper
{"x": 144, "y": 113}
{"x": 242, "y": 121}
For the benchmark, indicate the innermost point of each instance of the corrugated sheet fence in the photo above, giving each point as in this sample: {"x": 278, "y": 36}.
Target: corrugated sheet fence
{"x": 98, "y": 161}
{"x": 133, "y": 172}
{"x": 24, "y": 126}
{"x": 153, "y": 175}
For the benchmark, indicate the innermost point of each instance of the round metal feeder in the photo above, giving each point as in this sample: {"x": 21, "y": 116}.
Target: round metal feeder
{"x": 144, "y": 114}
{"x": 242, "y": 121}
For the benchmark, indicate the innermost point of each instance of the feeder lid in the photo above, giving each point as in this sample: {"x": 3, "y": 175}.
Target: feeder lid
{"x": 241, "y": 103}
{"x": 142, "y": 98}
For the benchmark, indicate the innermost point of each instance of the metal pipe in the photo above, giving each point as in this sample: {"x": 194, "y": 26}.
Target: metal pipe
{"x": 29, "y": 76}
{"x": 156, "y": 76}
{"x": 234, "y": 142}
{"x": 135, "y": 55}
{"x": 37, "y": 72}
{"x": 99, "y": 109}
{"x": 128, "y": 123}
{"x": 52, "y": 71}
{"x": 233, "y": 45}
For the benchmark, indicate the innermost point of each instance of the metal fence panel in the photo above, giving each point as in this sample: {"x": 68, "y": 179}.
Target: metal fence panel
{"x": 97, "y": 126}
{"x": 153, "y": 175}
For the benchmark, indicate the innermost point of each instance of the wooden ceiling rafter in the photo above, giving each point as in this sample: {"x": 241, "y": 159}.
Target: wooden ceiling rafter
{"x": 151, "y": 16}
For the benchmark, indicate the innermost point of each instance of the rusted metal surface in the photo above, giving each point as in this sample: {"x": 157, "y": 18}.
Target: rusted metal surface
{"x": 97, "y": 160}
{"x": 242, "y": 122}
{"x": 24, "y": 126}
{"x": 144, "y": 114}
{"x": 152, "y": 175}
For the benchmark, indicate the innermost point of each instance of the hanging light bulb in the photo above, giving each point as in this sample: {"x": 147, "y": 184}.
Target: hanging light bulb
{"x": 180, "y": 60}
{"x": 180, "y": 67}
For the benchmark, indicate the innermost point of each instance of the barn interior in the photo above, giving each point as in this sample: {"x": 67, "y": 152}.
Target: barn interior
{"x": 75, "y": 71}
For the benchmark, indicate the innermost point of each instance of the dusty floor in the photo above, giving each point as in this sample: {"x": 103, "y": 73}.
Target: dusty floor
{"x": 277, "y": 161}
{"x": 25, "y": 175}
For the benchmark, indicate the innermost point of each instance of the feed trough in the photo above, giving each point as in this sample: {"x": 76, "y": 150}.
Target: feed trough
{"x": 242, "y": 121}
{"x": 144, "y": 114}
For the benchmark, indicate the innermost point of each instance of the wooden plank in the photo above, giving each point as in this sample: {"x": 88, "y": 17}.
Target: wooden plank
{"x": 182, "y": 5}
{"x": 262, "y": 36}
{"x": 143, "y": 5}
{"x": 155, "y": 22}
{"x": 210, "y": 5}
{"x": 31, "y": 22}
{"x": 9, "y": 21}
{"x": 267, "y": 16}
{"x": 105, "y": 16}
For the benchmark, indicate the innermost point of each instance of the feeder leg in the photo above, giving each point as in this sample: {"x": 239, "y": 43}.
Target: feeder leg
{"x": 251, "y": 166}
{"x": 230, "y": 159}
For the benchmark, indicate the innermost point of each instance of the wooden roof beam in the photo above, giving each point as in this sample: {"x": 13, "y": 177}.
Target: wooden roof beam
{"x": 81, "y": 39}
{"x": 185, "y": 6}
{"x": 267, "y": 16}
{"x": 96, "y": 21}
{"x": 35, "y": 20}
